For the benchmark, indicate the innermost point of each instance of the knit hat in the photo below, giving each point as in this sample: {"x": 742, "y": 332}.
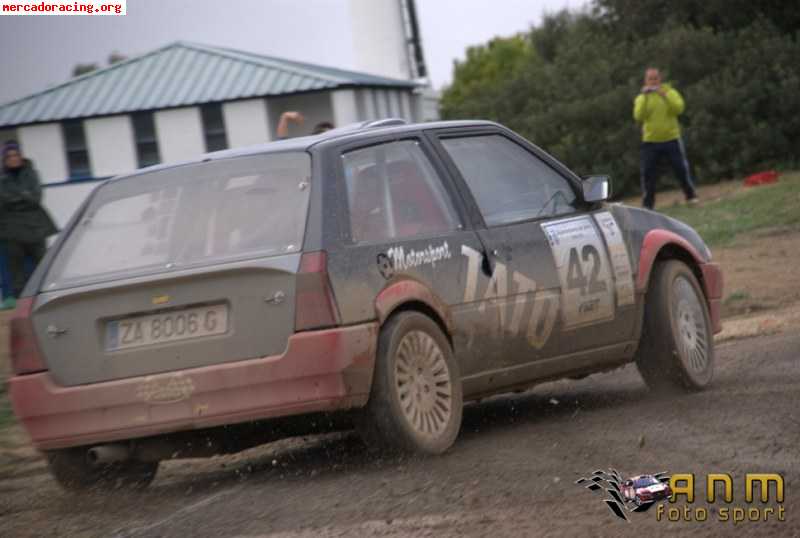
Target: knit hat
{"x": 10, "y": 145}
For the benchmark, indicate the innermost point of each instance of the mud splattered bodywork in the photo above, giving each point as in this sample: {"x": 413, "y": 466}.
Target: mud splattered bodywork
{"x": 652, "y": 235}
{"x": 259, "y": 290}
{"x": 320, "y": 371}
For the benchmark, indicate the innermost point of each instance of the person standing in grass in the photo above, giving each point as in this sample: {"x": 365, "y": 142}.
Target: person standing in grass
{"x": 657, "y": 108}
{"x": 24, "y": 223}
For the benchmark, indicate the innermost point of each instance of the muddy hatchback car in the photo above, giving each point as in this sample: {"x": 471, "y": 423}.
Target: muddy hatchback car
{"x": 378, "y": 275}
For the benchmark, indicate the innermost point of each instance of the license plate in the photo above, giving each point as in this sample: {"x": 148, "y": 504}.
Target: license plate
{"x": 152, "y": 329}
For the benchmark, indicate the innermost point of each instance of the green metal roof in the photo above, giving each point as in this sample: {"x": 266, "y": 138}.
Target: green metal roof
{"x": 181, "y": 74}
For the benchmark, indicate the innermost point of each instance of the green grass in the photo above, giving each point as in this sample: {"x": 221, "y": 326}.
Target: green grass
{"x": 737, "y": 296}
{"x": 6, "y": 415}
{"x": 747, "y": 210}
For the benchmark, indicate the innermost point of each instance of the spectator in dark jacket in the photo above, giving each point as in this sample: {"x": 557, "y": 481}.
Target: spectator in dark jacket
{"x": 24, "y": 223}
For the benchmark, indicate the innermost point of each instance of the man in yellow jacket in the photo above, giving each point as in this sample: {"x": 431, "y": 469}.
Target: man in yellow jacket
{"x": 657, "y": 108}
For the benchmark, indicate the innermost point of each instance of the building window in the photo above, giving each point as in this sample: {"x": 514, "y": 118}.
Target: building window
{"x": 379, "y": 114}
{"x": 77, "y": 152}
{"x": 214, "y": 127}
{"x": 144, "y": 134}
{"x": 387, "y": 99}
{"x": 7, "y": 135}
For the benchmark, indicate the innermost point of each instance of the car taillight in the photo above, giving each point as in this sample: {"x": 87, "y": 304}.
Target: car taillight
{"x": 25, "y": 355}
{"x": 315, "y": 306}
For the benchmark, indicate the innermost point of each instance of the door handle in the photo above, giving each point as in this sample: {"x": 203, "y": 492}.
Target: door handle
{"x": 55, "y": 332}
{"x": 503, "y": 253}
{"x": 277, "y": 298}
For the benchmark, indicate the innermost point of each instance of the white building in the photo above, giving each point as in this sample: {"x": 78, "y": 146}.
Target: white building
{"x": 185, "y": 99}
{"x": 181, "y": 101}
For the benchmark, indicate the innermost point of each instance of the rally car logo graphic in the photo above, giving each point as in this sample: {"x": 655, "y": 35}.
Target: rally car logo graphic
{"x": 403, "y": 259}
{"x": 635, "y": 494}
{"x": 165, "y": 389}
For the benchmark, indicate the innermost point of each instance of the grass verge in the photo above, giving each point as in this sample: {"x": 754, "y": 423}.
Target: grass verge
{"x": 744, "y": 210}
{"x": 6, "y": 415}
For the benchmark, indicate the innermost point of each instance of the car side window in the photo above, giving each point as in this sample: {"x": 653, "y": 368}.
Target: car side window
{"x": 509, "y": 183}
{"x": 394, "y": 192}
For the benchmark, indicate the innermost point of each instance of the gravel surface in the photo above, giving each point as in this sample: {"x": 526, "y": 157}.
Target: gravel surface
{"x": 511, "y": 472}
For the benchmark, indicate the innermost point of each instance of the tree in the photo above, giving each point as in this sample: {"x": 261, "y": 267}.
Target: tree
{"x": 642, "y": 18}
{"x": 568, "y": 85}
{"x": 479, "y": 81}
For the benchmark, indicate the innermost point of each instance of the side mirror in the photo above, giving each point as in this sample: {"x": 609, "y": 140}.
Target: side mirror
{"x": 596, "y": 188}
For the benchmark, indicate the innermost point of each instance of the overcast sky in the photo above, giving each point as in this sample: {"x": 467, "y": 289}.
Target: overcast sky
{"x": 36, "y": 52}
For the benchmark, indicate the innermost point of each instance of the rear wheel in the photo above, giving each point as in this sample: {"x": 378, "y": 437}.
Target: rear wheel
{"x": 72, "y": 469}
{"x": 677, "y": 347}
{"x": 415, "y": 403}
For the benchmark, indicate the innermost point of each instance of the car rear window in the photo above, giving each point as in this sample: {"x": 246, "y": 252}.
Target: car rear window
{"x": 186, "y": 216}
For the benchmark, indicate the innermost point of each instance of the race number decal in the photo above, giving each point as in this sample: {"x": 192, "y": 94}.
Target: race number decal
{"x": 620, "y": 261}
{"x": 583, "y": 269}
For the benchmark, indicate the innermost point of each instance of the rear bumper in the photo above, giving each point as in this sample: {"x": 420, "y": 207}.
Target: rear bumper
{"x": 319, "y": 371}
{"x": 712, "y": 280}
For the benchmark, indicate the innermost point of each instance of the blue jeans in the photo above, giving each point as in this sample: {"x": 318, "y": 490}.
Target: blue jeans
{"x": 21, "y": 260}
{"x": 651, "y": 155}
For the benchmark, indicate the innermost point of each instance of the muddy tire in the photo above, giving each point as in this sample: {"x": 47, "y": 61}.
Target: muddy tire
{"x": 73, "y": 472}
{"x": 415, "y": 403}
{"x": 676, "y": 352}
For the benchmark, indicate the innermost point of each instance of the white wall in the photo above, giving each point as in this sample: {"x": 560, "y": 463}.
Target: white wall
{"x": 180, "y": 134}
{"x": 44, "y": 145}
{"x": 247, "y": 122}
{"x": 315, "y": 107}
{"x": 112, "y": 149}
{"x": 345, "y": 107}
{"x": 430, "y": 104}
{"x": 379, "y": 41}
{"x": 63, "y": 200}
{"x": 373, "y": 104}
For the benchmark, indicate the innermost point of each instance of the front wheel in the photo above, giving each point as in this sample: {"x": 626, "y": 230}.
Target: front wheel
{"x": 676, "y": 351}
{"x": 415, "y": 404}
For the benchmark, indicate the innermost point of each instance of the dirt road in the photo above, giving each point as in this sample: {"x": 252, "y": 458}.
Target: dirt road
{"x": 511, "y": 473}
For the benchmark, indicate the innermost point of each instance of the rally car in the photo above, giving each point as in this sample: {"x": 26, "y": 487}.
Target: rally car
{"x": 377, "y": 275}
{"x": 644, "y": 488}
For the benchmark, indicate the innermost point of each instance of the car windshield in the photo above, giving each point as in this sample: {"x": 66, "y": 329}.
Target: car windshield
{"x": 645, "y": 482}
{"x": 187, "y": 216}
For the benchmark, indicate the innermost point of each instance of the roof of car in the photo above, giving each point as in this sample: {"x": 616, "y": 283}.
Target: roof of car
{"x": 304, "y": 143}
{"x": 354, "y": 130}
